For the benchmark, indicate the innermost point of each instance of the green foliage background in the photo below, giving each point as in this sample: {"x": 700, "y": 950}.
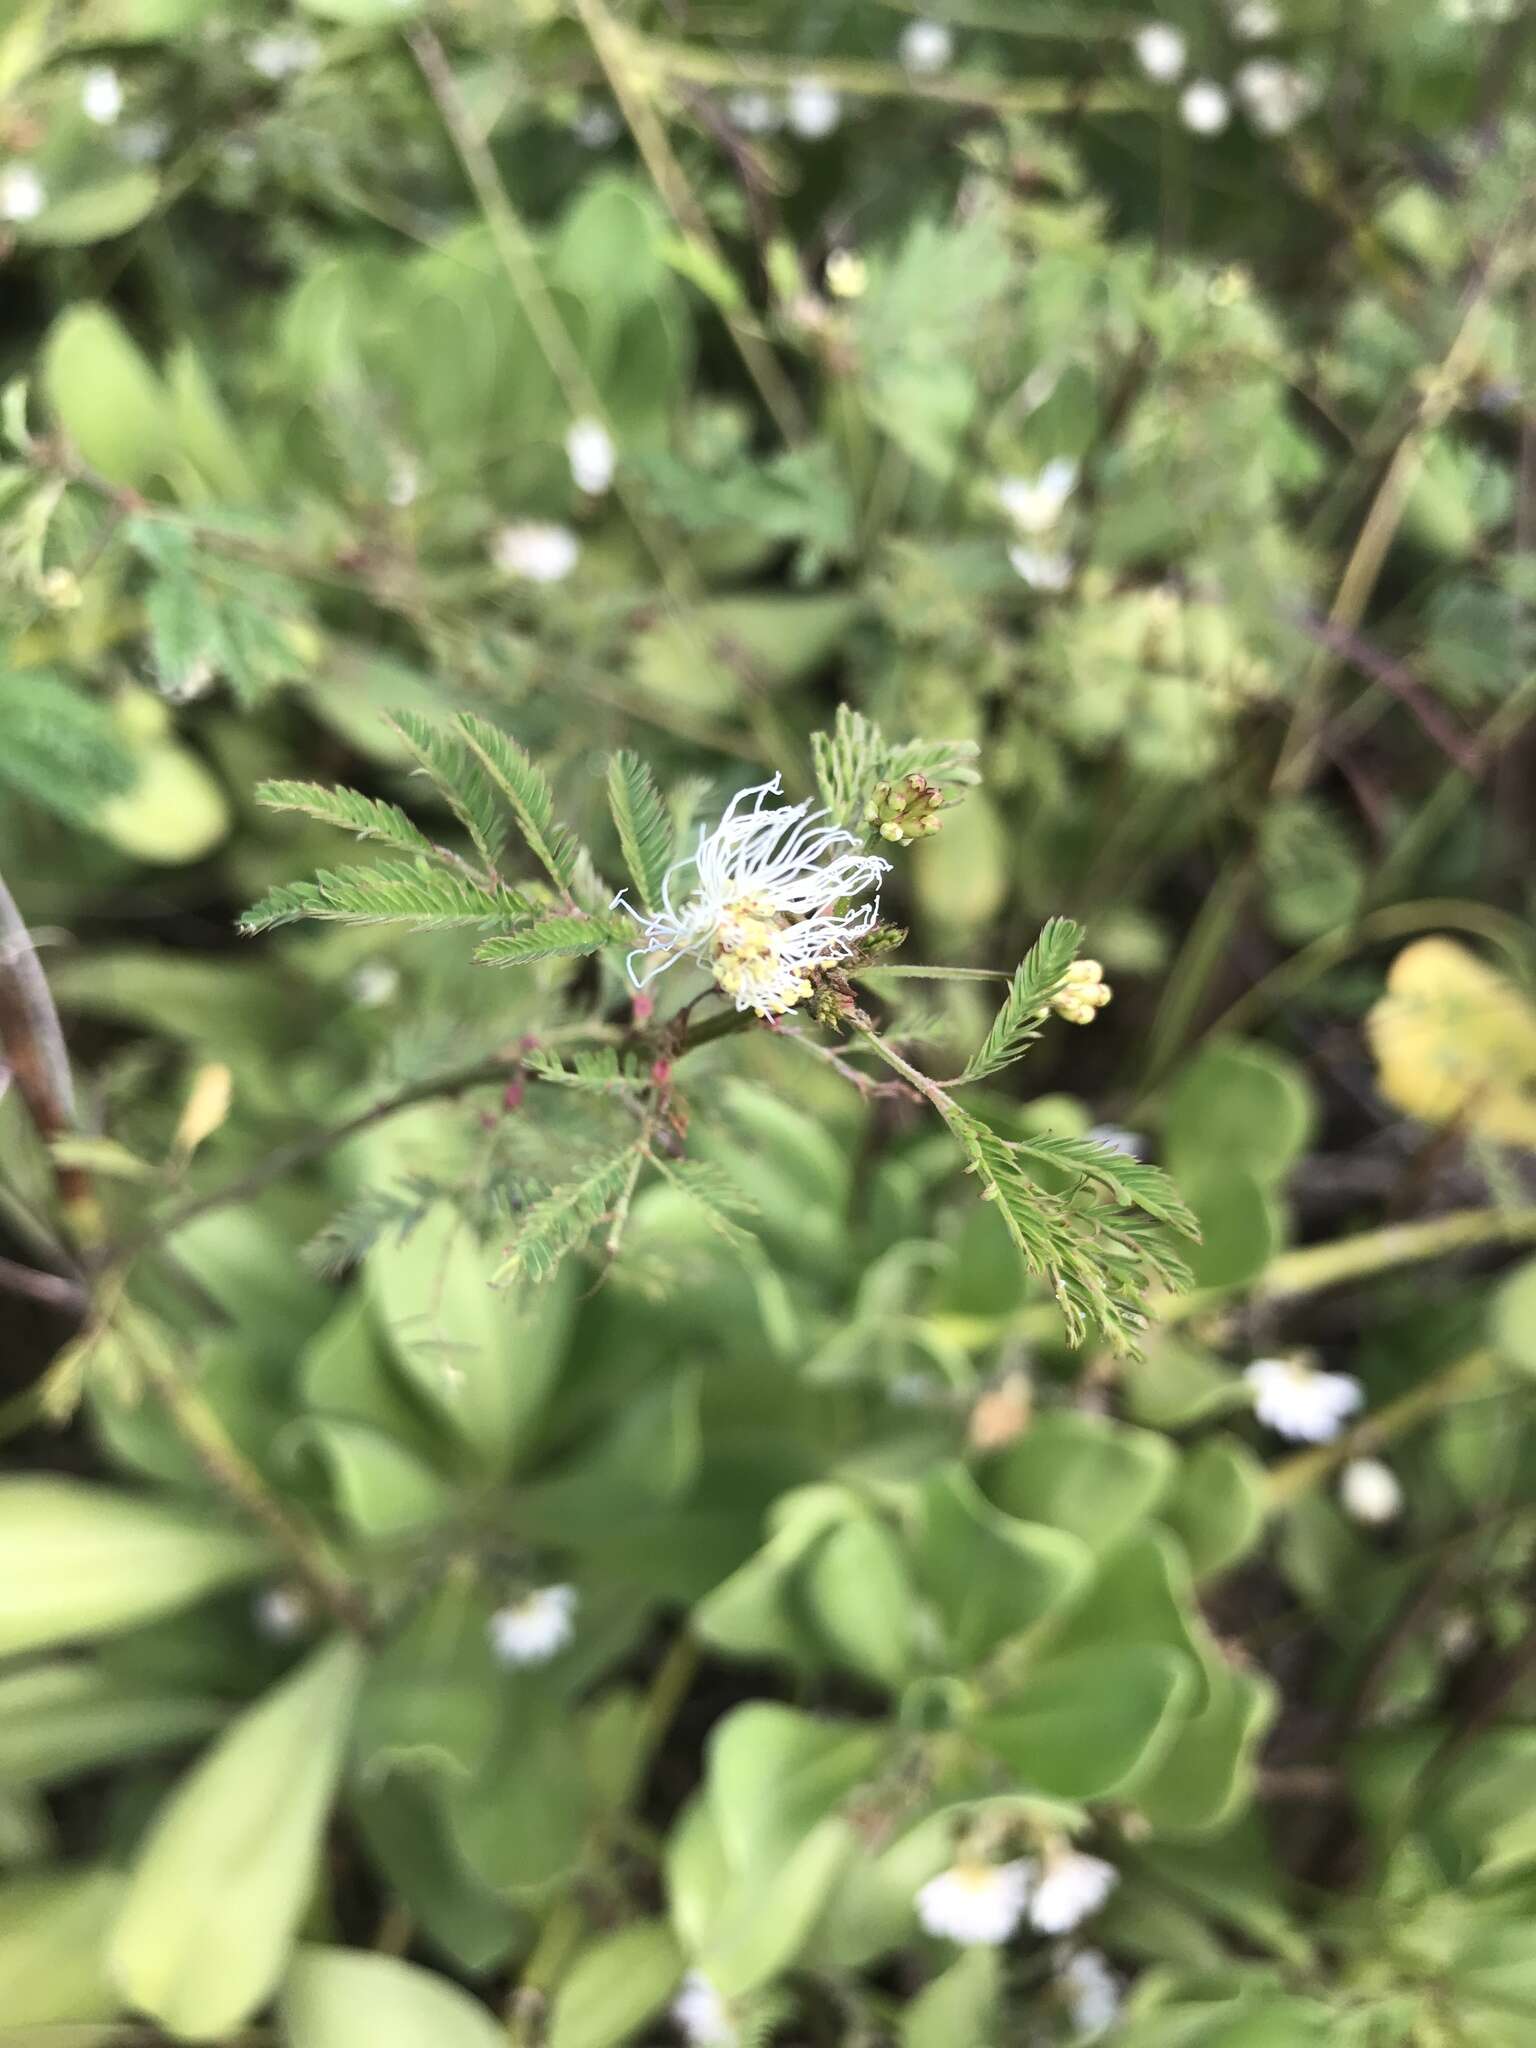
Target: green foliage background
{"x": 364, "y": 1276}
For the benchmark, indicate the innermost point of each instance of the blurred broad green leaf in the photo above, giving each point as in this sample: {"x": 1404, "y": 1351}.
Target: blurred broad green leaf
{"x": 79, "y": 1561}
{"x": 222, "y": 1881}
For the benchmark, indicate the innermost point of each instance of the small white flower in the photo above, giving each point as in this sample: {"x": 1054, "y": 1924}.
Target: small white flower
{"x": 589, "y": 450}
{"x": 536, "y": 551}
{"x": 1070, "y": 1887}
{"x": 403, "y": 484}
{"x": 1161, "y": 50}
{"x": 1370, "y": 1491}
{"x": 1092, "y": 1991}
{"x": 536, "y": 1628}
{"x": 101, "y": 95}
{"x": 22, "y": 193}
{"x": 926, "y": 48}
{"x": 1116, "y": 1138}
{"x": 1276, "y": 96}
{"x": 281, "y": 1613}
{"x": 978, "y": 1904}
{"x": 1255, "y": 21}
{"x": 754, "y": 112}
{"x": 283, "y": 56}
{"x": 374, "y": 984}
{"x": 597, "y": 126}
{"x": 1035, "y": 503}
{"x": 814, "y": 109}
{"x": 1040, "y": 569}
{"x": 144, "y": 142}
{"x": 762, "y": 913}
{"x": 1204, "y": 108}
{"x": 702, "y": 2014}
{"x": 1297, "y": 1401}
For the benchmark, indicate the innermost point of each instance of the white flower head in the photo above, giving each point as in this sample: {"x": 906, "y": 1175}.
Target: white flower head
{"x": 283, "y": 56}
{"x": 1296, "y": 1400}
{"x": 536, "y": 551}
{"x": 403, "y": 484}
{"x": 1040, "y": 568}
{"x": 1255, "y": 21}
{"x": 754, "y": 112}
{"x": 373, "y": 984}
{"x": 1092, "y": 1991}
{"x": 590, "y": 452}
{"x": 702, "y": 2014}
{"x": 144, "y": 142}
{"x": 763, "y": 910}
{"x": 1371, "y": 1492}
{"x": 281, "y": 1613}
{"x": 1275, "y": 96}
{"x": 814, "y": 110}
{"x": 536, "y": 1628}
{"x": 101, "y": 95}
{"x": 1161, "y": 50}
{"x": 22, "y": 193}
{"x": 926, "y": 48}
{"x": 1204, "y": 108}
{"x": 1070, "y": 1887}
{"x": 597, "y": 126}
{"x": 977, "y": 1904}
{"x": 1035, "y": 503}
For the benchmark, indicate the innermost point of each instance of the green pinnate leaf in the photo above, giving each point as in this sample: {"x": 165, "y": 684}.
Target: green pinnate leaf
{"x": 364, "y": 816}
{"x": 1039, "y": 978}
{"x": 644, "y": 828}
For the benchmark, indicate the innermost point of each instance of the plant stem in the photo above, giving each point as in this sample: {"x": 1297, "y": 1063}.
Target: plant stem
{"x": 861, "y": 79}
{"x": 514, "y": 246}
{"x": 624, "y": 58}
{"x": 198, "y": 1424}
{"x": 1398, "y": 1244}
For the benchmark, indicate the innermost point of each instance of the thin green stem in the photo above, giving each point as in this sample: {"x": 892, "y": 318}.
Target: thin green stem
{"x": 1401, "y": 919}
{"x": 237, "y": 1479}
{"x": 633, "y": 79}
{"x": 1372, "y": 1252}
{"x": 514, "y": 247}
{"x": 861, "y": 79}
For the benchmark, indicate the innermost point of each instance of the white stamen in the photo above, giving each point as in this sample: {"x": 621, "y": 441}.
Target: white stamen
{"x": 761, "y": 914}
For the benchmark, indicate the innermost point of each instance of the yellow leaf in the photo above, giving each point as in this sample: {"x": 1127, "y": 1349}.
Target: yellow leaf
{"x": 1455, "y": 1042}
{"x": 207, "y": 1107}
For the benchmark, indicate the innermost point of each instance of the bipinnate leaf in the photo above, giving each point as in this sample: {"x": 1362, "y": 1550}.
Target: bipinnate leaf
{"x": 642, "y": 823}
{"x": 1040, "y": 976}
